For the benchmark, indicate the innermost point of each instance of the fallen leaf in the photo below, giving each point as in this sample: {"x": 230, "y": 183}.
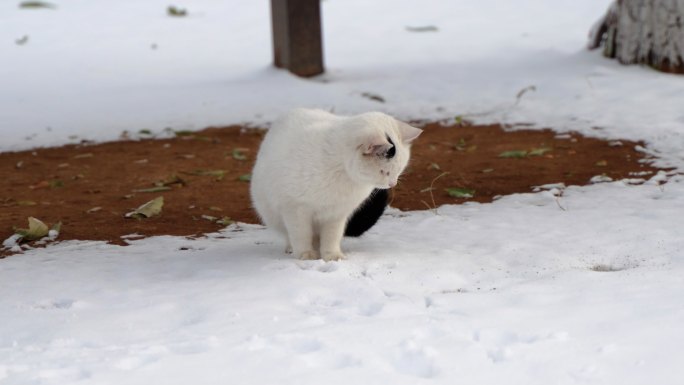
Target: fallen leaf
{"x": 57, "y": 227}
{"x": 36, "y": 230}
{"x": 513, "y": 154}
{"x": 238, "y": 155}
{"x": 245, "y": 178}
{"x": 82, "y": 156}
{"x": 182, "y": 133}
{"x": 373, "y": 97}
{"x": 602, "y": 163}
{"x": 215, "y": 208}
{"x": 55, "y": 183}
{"x": 219, "y": 174}
{"x": 173, "y": 179}
{"x": 539, "y": 151}
{"x": 176, "y": 12}
{"x": 94, "y": 210}
{"x": 434, "y": 166}
{"x": 149, "y": 209}
{"x": 425, "y": 28}
{"x": 153, "y": 189}
{"x": 26, "y": 203}
{"x": 209, "y": 218}
{"x": 23, "y": 40}
{"x": 36, "y": 5}
{"x": 225, "y": 221}
{"x": 487, "y": 170}
{"x": 457, "y": 192}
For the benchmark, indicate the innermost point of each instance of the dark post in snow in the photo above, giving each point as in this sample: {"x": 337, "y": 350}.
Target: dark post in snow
{"x": 297, "y": 41}
{"x": 643, "y": 31}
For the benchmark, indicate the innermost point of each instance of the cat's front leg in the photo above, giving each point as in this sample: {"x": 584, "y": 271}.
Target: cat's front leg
{"x": 332, "y": 232}
{"x": 299, "y": 225}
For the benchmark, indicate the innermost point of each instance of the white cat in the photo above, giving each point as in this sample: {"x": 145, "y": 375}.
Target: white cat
{"x": 314, "y": 169}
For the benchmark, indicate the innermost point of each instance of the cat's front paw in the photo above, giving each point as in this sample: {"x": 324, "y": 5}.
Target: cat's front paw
{"x": 333, "y": 256}
{"x": 309, "y": 255}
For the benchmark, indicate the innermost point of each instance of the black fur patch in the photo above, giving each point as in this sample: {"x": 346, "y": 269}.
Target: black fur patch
{"x": 392, "y": 151}
{"x": 367, "y": 214}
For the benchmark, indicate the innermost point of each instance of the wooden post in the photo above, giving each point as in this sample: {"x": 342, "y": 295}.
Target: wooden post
{"x": 297, "y": 40}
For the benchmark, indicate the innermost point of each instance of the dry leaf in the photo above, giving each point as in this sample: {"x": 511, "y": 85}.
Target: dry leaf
{"x": 149, "y": 209}
{"x": 36, "y": 230}
{"x": 460, "y": 192}
{"x": 172, "y": 10}
{"x": 153, "y": 189}
{"x": 36, "y": 5}
{"x": 238, "y": 155}
{"x": 424, "y": 28}
{"x": 513, "y": 154}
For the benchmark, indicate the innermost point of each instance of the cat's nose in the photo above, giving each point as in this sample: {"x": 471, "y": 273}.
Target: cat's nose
{"x": 392, "y": 183}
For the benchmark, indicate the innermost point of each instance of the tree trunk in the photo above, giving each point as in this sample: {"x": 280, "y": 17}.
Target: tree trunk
{"x": 643, "y": 31}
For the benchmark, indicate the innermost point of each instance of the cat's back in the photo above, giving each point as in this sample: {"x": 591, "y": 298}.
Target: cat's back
{"x": 302, "y": 121}
{"x": 293, "y": 149}
{"x": 296, "y": 139}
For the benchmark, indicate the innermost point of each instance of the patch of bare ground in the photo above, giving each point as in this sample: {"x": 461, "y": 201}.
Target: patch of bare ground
{"x": 203, "y": 176}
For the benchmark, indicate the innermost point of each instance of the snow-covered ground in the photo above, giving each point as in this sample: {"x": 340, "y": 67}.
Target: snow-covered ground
{"x": 519, "y": 291}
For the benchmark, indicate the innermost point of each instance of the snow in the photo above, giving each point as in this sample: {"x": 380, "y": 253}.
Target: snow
{"x": 566, "y": 285}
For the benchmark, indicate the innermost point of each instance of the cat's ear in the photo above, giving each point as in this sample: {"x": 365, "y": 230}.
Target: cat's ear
{"x": 375, "y": 145}
{"x": 408, "y": 132}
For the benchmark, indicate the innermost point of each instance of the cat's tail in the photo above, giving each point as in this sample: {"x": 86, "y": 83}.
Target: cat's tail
{"x": 366, "y": 215}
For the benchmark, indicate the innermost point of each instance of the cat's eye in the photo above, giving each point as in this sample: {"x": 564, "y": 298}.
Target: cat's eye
{"x": 389, "y": 154}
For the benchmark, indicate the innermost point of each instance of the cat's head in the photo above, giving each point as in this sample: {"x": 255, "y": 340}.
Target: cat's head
{"x": 383, "y": 149}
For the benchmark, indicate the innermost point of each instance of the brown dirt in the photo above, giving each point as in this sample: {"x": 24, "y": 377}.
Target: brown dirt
{"x": 89, "y": 187}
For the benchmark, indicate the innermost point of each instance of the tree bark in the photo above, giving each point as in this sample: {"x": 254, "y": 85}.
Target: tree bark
{"x": 643, "y": 32}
